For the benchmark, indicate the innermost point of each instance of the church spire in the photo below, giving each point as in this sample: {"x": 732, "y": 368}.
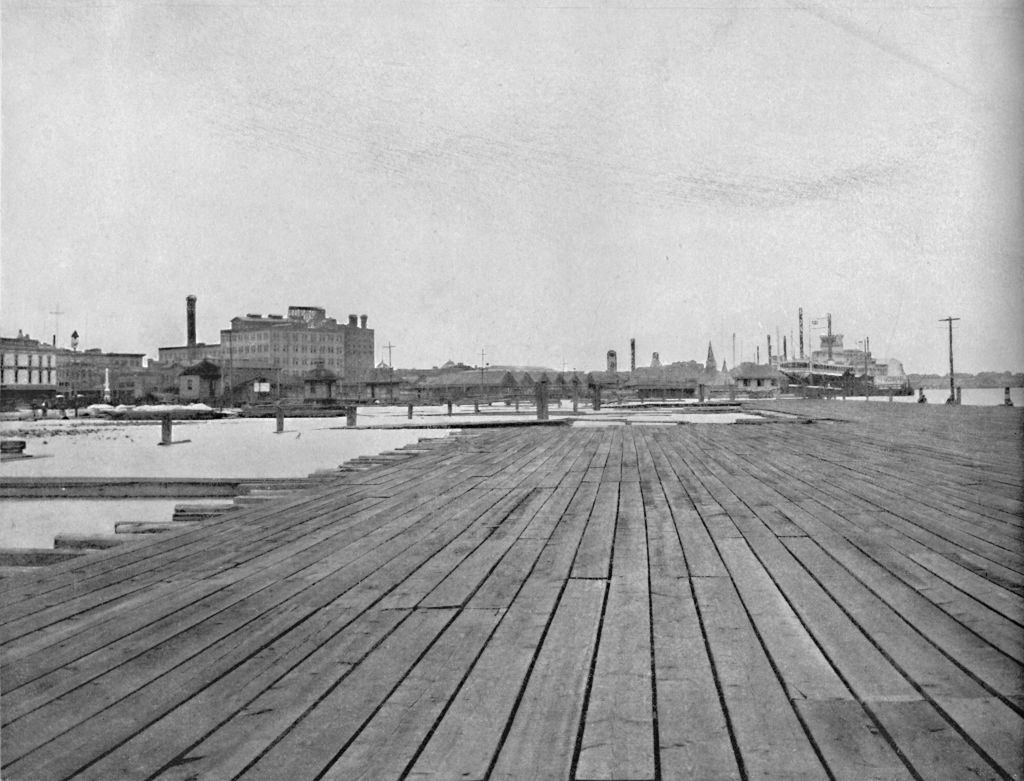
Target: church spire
{"x": 710, "y": 364}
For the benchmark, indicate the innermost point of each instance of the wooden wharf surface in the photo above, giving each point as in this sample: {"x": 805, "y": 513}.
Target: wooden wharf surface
{"x": 841, "y": 599}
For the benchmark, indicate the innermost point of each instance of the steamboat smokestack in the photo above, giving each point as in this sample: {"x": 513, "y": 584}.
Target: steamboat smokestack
{"x": 801, "y": 320}
{"x": 190, "y": 321}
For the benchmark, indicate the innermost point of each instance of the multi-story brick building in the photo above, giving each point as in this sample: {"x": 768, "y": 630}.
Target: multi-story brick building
{"x": 288, "y": 345}
{"x": 301, "y": 341}
{"x": 28, "y": 370}
{"x": 86, "y": 373}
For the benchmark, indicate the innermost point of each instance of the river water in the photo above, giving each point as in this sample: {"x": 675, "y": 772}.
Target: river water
{"x": 240, "y": 447}
{"x": 975, "y": 397}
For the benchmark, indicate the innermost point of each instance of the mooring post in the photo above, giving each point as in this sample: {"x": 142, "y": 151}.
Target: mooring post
{"x": 1007, "y": 401}
{"x": 959, "y": 394}
{"x": 597, "y": 398}
{"x": 280, "y": 420}
{"x": 542, "y": 399}
{"x": 700, "y": 392}
{"x": 165, "y": 429}
{"x": 350, "y": 415}
{"x": 449, "y": 408}
{"x": 409, "y": 412}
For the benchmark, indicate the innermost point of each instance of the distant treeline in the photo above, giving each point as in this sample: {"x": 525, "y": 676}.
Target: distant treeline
{"x": 980, "y": 380}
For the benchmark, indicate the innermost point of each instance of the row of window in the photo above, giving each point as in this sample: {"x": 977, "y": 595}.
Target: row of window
{"x": 27, "y": 359}
{"x": 28, "y": 376}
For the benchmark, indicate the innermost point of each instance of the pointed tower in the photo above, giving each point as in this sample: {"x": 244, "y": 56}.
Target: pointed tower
{"x": 724, "y": 367}
{"x": 709, "y": 364}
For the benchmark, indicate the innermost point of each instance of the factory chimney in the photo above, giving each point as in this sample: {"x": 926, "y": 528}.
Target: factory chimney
{"x": 632, "y": 355}
{"x": 769, "y": 349}
{"x": 613, "y": 361}
{"x": 190, "y": 321}
{"x": 362, "y": 321}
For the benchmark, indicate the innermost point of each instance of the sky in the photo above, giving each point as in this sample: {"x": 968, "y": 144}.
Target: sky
{"x": 539, "y": 182}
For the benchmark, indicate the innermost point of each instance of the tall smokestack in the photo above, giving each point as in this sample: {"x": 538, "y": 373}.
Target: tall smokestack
{"x": 190, "y": 320}
{"x": 632, "y": 355}
{"x": 769, "y": 349}
{"x": 801, "y": 319}
{"x": 785, "y": 349}
{"x": 362, "y": 321}
{"x": 613, "y": 361}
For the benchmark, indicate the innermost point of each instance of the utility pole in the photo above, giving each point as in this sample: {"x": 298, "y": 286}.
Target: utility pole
{"x": 388, "y": 347}
{"x": 952, "y": 389}
{"x": 56, "y": 333}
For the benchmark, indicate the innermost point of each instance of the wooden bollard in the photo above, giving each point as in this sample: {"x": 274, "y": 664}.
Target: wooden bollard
{"x": 1007, "y": 401}
{"x": 165, "y": 429}
{"x": 597, "y": 399}
{"x": 409, "y": 412}
{"x": 280, "y": 420}
{"x": 542, "y": 400}
{"x": 350, "y": 416}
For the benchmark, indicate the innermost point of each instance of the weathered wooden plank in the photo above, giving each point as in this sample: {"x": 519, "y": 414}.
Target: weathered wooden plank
{"x": 236, "y": 710}
{"x": 618, "y": 735}
{"x": 770, "y": 738}
{"x": 548, "y": 718}
{"x": 389, "y": 740}
{"x": 931, "y": 671}
{"x": 468, "y": 737}
{"x": 931, "y": 745}
{"x": 460, "y": 583}
{"x": 850, "y": 743}
{"x": 805, "y": 672}
{"x": 317, "y": 739}
{"x": 692, "y": 728}
{"x": 593, "y": 559}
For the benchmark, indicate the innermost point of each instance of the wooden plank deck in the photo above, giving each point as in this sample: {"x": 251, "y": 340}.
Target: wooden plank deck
{"x": 837, "y": 600}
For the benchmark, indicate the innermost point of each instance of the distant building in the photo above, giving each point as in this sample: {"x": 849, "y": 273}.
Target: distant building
{"x": 759, "y": 379}
{"x": 85, "y": 374}
{"x": 200, "y": 382}
{"x": 28, "y": 370}
{"x": 291, "y": 345}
